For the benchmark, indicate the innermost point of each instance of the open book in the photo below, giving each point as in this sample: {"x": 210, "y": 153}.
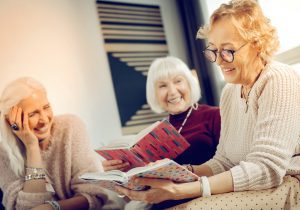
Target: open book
{"x": 163, "y": 169}
{"x": 159, "y": 140}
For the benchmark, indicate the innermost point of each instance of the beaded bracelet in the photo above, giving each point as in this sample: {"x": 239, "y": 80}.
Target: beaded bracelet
{"x": 34, "y": 176}
{"x": 34, "y": 170}
{"x": 55, "y": 205}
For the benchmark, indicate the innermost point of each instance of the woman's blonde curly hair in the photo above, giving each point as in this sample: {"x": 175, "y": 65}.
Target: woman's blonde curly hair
{"x": 250, "y": 22}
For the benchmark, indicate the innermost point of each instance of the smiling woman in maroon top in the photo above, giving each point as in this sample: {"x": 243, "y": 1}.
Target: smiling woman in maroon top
{"x": 172, "y": 88}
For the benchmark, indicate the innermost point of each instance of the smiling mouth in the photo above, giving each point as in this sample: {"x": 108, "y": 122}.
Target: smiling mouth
{"x": 175, "y": 100}
{"x": 41, "y": 130}
{"x": 226, "y": 70}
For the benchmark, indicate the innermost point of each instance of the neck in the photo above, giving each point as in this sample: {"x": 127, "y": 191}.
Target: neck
{"x": 176, "y": 113}
{"x": 254, "y": 76}
{"x": 44, "y": 143}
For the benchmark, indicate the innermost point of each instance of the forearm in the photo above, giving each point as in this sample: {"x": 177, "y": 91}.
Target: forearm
{"x": 75, "y": 203}
{"x": 202, "y": 170}
{"x": 34, "y": 160}
{"x": 186, "y": 190}
{"x": 220, "y": 183}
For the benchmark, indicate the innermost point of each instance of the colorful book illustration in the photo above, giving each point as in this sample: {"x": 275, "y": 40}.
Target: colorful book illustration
{"x": 158, "y": 141}
{"x": 163, "y": 169}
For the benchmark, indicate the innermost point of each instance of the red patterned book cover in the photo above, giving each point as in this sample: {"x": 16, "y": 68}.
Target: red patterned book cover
{"x": 163, "y": 169}
{"x": 158, "y": 141}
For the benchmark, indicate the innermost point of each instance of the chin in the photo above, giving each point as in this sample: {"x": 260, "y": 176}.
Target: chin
{"x": 42, "y": 137}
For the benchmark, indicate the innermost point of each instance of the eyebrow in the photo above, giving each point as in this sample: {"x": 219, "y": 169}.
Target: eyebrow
{"x": 36, "y": 111}
{"x": 226, "y": 43}
{"x": 33, "y": 112}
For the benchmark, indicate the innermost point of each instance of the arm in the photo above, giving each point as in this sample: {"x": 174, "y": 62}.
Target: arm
{"x": 85, "y": 159}
{"x": 17, "y": 193}
{"x": 162, "y": 190}
{"x": 31, "y": 143}
{"x": 78, "y": 203}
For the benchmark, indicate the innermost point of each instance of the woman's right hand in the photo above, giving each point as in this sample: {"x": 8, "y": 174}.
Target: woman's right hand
{"x": 20, "y": 118}
{"x": 109, "y": 165}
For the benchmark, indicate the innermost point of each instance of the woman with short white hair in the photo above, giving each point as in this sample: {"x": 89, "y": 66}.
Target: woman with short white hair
{"x": 41, "y": 155}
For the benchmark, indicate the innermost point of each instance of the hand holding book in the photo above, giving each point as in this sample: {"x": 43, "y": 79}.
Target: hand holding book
{"x": 164, "y": 169}
{"x": 158, "y": 141}
{"x": 120, "y": 165}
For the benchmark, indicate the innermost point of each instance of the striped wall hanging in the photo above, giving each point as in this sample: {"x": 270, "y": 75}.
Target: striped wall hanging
{"x": 133, "y": 37}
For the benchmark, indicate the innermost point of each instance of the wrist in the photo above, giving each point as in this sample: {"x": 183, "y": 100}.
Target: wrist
{"x": 54, "y": 204}
{"x": 32, "y": 147}
{"x": 187, "y": 190}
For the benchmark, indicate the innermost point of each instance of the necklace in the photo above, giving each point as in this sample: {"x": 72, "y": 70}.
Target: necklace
{"x": 246, "y": 96}
{"x": 187, "y": 116}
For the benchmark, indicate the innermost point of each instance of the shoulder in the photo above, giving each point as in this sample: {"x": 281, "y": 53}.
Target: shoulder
{"x": 208, "y": 109}
{"x": 228, "y": 93}
{"x": 280, "y": 72}
{"x": 207, "y": 112}
{"x": 278, "y": 77}
{"x": 228, "y": 90}
{"x": 67, "y": 121}
{"x": 68, "y": 127}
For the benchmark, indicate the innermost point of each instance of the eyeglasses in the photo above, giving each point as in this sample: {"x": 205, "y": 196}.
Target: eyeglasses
{"x": 226, "y": 55}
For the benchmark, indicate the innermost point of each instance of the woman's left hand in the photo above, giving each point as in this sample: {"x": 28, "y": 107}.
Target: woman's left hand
{"x": 160, "y": 190}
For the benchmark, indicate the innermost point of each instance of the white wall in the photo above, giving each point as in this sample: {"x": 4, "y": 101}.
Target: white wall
{"x": 284, "y": 16}
{"x": 59, "y": 43}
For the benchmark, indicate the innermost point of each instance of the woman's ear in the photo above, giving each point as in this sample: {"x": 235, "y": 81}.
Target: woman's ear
{"x": 194, "y": 73}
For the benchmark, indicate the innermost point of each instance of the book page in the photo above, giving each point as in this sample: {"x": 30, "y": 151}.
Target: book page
{"x": 123, "y": 142}
{"x": 150, "y": 167}
{"x": 113, "y": 175}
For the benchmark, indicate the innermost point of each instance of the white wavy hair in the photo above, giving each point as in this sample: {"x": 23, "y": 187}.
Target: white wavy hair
{"x": 166, "y": 67}
{"x": 12, "y": 94}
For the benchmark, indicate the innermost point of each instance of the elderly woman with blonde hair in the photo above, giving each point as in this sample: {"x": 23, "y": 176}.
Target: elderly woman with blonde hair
{"x": 257, "y": 162}
{"x": 41, "y": 155}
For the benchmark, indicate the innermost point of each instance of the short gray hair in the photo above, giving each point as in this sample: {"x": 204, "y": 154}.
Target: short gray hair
{"x": 165, "y": 67}
{"x": 12, "y": 94}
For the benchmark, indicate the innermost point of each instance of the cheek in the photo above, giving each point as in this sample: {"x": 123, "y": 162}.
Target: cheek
{"x": 185, "y": 90}
{"x": 161, "y": 96}
{"x": 32, "y": 122}
{"x": 50, "y": 115}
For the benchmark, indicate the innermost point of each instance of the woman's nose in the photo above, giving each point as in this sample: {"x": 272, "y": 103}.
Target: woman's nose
{"x": 43, "y": 117}
{"x": 172, "y": 89}
{"x": 219, "y": 60}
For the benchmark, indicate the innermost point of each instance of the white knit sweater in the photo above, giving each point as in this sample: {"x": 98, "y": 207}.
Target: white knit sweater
{"x": 260, "y": 146}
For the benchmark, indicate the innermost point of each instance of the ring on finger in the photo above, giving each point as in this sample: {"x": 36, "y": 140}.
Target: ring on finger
{"x": 14, "y": 126}
{"x": 121, "y": 196}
